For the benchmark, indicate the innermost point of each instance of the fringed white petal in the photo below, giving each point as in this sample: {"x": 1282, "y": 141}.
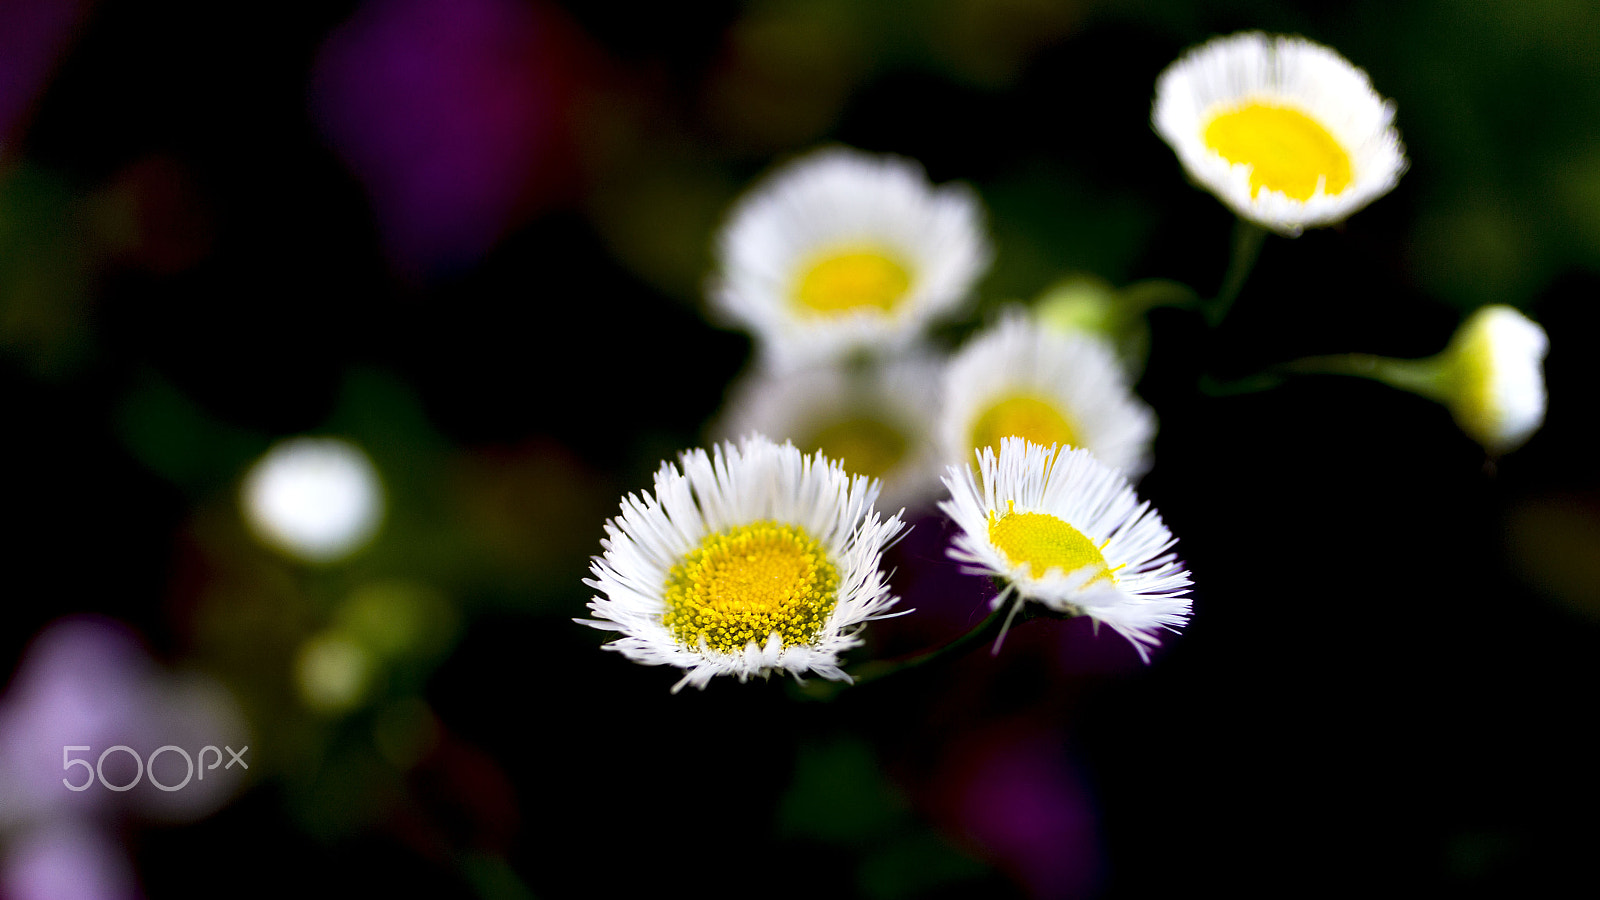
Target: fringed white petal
{"x": 838, "y": 197}
{"x": 1293, "y": 72}
{"x": 1148, "y": 593}
{"x": 738, "y": 484}
{"x": 1076, "y": 373}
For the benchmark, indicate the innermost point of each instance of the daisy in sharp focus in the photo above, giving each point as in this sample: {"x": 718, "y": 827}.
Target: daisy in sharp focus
{"x": 749, "y": 560}
{"x": 840, "y": 251}
{"x": 1286, "y": 132}
{"x": 1061, "y": 529}
{"x": 1021, "y": 378}
{"x": 875, "y": 420}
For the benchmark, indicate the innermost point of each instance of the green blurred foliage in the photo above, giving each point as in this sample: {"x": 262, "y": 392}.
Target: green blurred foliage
{"x": 1049, "y": 222}
{"x": 45, "y": 271}
{"x": 840, "y": 796}
{"x": 918, "y": 864}
{"x": 179, "y": 440}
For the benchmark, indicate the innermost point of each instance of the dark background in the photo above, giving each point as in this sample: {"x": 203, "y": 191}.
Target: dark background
{"x": 1394, "y": 638}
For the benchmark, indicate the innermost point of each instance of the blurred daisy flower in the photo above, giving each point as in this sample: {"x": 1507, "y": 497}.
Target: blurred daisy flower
{"x": 1048, "y": 386}
{"x": 1061, "y": 529}
{"x": 874, "y": 420}
{"x": 1284, "y": 131}
{"x": 749, "y": 560}
{"x": 841, "y": 251}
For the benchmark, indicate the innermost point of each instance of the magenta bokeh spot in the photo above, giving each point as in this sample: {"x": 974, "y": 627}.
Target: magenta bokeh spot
{"x": 451, "y": 114}
{"x": 1017, "y": 797}
{"x": 34, "y": 34}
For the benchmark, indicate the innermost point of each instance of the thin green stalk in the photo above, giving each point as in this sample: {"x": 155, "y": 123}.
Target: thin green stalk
{"x": 877, "y": 670}
{"x": 1140, "y": 297}
{"x": 981, "y": 632}
{"x": 1420, "y": 376}
{"x": 1247, "y": 240}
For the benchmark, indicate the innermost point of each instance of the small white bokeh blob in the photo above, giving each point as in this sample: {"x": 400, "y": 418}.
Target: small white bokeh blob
{"x": 315, "y": 498}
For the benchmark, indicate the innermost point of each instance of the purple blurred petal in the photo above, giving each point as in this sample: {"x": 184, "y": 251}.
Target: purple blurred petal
{"x": 33, "y": 35}
{"x": 944, "y": 603}
{"x": 87, "y": 681}
{"x": 1084, "y": 647}
{"x": 447, "y": 111}
{"x": 81, "y": 683}
{"x": 1016, "y": 796}
{"x": 67, "y": 860}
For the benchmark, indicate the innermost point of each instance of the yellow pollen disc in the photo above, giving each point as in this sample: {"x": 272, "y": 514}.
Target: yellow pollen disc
{"x": 851, "y": 280}
{"x": 865, "y": 446}
{"x": 1043, "y": 542}
{"x": 742, "y": 585}
{"x": 1286, "y": 149}
{"x": 1025, "y": 417}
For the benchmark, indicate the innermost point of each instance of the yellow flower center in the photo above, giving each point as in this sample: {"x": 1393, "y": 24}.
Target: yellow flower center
{"x": 1286, "y": 149}
{"x": 844, "y": 281}
{"x": 744, "y": 584}
{"x": 1042, "y": 542}
{"x": 863, "y": 444}
{"x": 1026, "y": 417}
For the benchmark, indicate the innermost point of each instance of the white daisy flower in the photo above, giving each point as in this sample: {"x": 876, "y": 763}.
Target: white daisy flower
{"x": 1286, "y": 132}
{"x": 876, "y": 420}
{"x": 842, "y": 250}
{"x": 1063, "y": 530}
{"x": 750, "y": 560}
{"x": 1050, "y": 387}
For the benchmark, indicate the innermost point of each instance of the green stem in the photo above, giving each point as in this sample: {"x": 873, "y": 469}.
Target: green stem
{"x": 1420, "y": 376}
{"x": 877, "y": 670}
{"x": 1140, "y": 297}
{"x": 981, "y": 632}
{"x": 1247, "y": 240}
